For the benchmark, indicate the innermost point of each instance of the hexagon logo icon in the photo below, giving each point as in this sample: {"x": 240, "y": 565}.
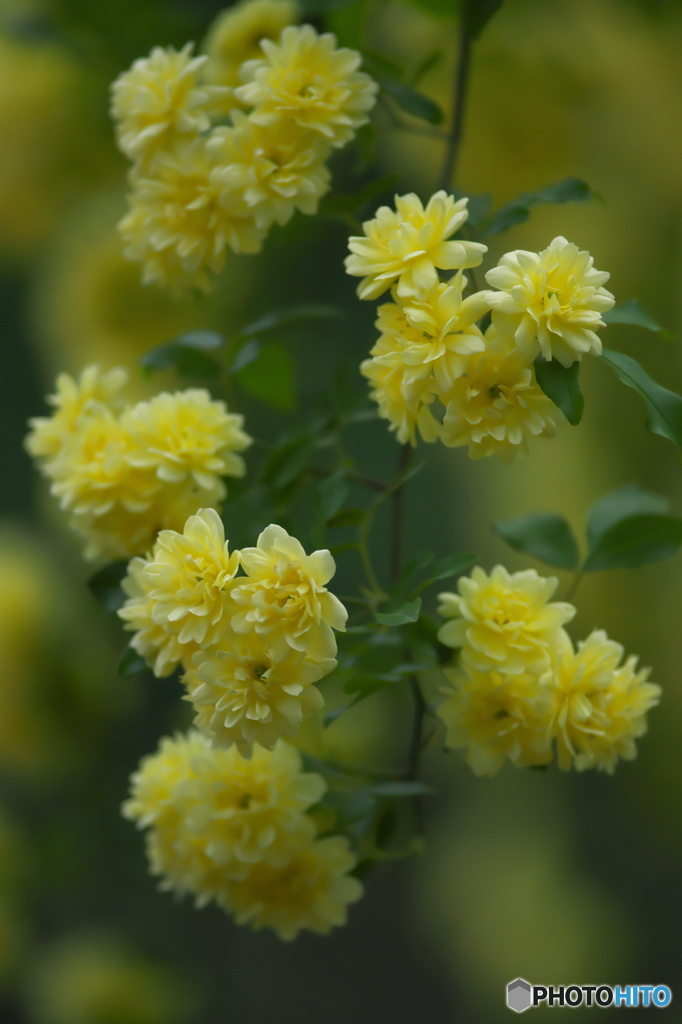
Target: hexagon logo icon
{"x": 518, "y": 995}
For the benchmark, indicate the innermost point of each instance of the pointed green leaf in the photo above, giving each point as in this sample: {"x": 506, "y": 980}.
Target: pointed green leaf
{"x": 290, "y": 314}
{"x": 408, "y": 787}
{"x": 347, "y": 517}
{"x": 105, "y": 585}
{"x": 288, "y": 461}
{"x": 545, "y": 535}
{"x": 413, "y": 102}
{"x": 446, "y": 568}
{"x": 631, "y": 500}
{"x": 408, "y": 612}
{"x": 477, "y": 14}
{"x": 632, "y": 312}
{"x": 270, "y": 377}
{"x": 664, "y": 408}
{"x": 562, "y": 386}
{"x": 571, "y": 190}
{"x": 187, "y": 360}
{"x": 638, "y": 540}
{"x": 130, "y": 664}
{"x": 332, "y": 493}
{"x": 349, "y": 805}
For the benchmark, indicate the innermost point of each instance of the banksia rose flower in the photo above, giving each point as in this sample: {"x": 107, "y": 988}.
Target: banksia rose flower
{"x": 409, "y": 244}
{"x": 304, "y": 78}
{"x": 504, "y": 621}
{"x": 551, "y": 302}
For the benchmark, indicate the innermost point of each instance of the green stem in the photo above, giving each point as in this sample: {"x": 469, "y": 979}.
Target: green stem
{"x": 577, "y": 580}
{"x": 397, "y": 517}
{"x": 459, "y": 102}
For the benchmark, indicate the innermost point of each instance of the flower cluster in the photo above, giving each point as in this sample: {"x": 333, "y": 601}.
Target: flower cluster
{"x": 520, "y": 688}
{"x": 235, "y": 831}
{"x": 123, "y": 472}
{"x": 199, "y": 188}
{"x": 252, "y": 646}
{"x": 434, "y": 371}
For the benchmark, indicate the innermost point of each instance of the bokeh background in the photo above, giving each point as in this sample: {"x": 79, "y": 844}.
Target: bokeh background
{"x": 559, "y": 879}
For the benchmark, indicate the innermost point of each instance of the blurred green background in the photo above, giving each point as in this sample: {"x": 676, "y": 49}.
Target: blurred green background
{"x": 559, "y": 879}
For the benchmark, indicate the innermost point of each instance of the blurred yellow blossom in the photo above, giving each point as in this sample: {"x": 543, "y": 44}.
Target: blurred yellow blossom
{"x": 497, "y": 717}
{"x": 551, "y": 302}
{"x": 497, "y": 404}
{"x": 213, "y": 813}
{"x": 159, "y": 100}
{"x": 304, "y": 78}
{"x": 284, "y": 597}
{"x": 599, "y": 704}
{"x": 312, "y": 891}
{"x": 409, "y": 244}
{"x": 179, "y": 596}
{"x": 243, "y": 695}
{"x": 235, "y": 35}
{"x": 504, "y": 621}
{"x": 273, "y": 171}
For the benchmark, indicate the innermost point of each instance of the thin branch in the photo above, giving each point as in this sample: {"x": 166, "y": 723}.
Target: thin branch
{"x": 459, "y": 103}
{"x": 397, "y": 516}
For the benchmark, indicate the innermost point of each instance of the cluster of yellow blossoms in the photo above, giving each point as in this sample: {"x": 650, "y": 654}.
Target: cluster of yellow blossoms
{"x": 122, "y": 471}
{"x": 200, "y": 187}
{"x": 234, "y": 830}
{"x": 227, "y": 804}
{"x": 433, "y": 370}
{"x": 520, "y": 687}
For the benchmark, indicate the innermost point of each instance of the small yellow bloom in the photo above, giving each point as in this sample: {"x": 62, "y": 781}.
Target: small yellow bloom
{"x": 505, "y": 621}
{"x": 403, "y": 390}
{"x": 179, "y": 597}
{"x": 600, "y": 705}
{"x": 551, "y": 302}
{"x": 159, "y": 100}
{"x": 497, "y": 717}
{"x": 187, "y": 435}
{"x": 243, "y": 695}
{"x": 213, "y": 813}
{"x": 235, "y": 35}
{"x": 497, "y": 404}
{"x": 312, "y": 891}
{"x": 179, "y": 225}
{"x": 304, "y": 78}
{"x": 93, "y": 389}
{"x": 408, "y": 244}
{"x": 284, "y": 597}
{"x": 272, "y": 171}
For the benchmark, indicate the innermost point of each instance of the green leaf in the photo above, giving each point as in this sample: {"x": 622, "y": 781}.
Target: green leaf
{"x": 245, "y": 354}
{"x": 270, "y": 377}
{"x": 446, "y": 568}
{"x": 631, "y": 312}
{"x": 410, "y": 787}
{"x": 349, "y": 805}
{"x": 571, "y": 190}
{"x": 288, "y": 461}
{"x": 290, "y": 314}
{"x": 426, "y": 65}
{"x": 477, "y": 14}
{"x": 332, "y": 493}
{"x": 408, "y": 612}
{"x": 545, "y": 535}
{"x": 105, "y": 585}
{"x": 413, "y": 102}
{"x": 664, "y": 408}
{"x": 638, "y": 540}
{"x": 186, "y": 355}
{"x": 631, "y": 500}
{"x": 130, "y": 664}
{"x": 347, "y": 517}
{"x": 562, "y": 386}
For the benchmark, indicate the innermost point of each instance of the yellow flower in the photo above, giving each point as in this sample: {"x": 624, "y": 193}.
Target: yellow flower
{"x": 312, "y": 891}
{"x": 504, "y": 621}
{"x": 497, "y": 717}
{"x": 305, "y": 79}
{"x": 408, "y": 244}
{"x": 243, "y": 695}
{"x": 551, "y": 302}
{"x": 439, "y": 329}
{"x": 179, "y": 597}
{"x": 160, "y": 99}
{"x": 177, "y": 226}
{"x": 235, "y": 35}
{"x": 187, "y": 435}
{"x": 92, "y": 390}
{"x": 600, "y": 705}
{"x": 273, "y": 171}
{"x": 403, "y": 390}
{"x": 213, "y": 813}
{"x": 497, "y": 404}
{"x": 285, "y": 598}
